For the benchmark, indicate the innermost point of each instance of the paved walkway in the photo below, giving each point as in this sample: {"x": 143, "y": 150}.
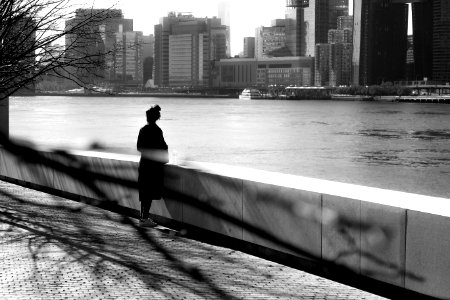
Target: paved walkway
{"x": 53, "y": 248}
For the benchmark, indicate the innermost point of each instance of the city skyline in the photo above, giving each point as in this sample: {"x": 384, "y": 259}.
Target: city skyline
{"x": 245, "y": 15}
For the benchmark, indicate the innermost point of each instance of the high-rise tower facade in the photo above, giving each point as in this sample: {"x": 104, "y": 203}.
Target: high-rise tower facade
{"x": 336, "y": 9}
{"x": 441, "y": 40}
{"x": 128, "y": 68}
{"x": 249, "y": 47}
{"x": 308, "y": 22}
{"x": 380, "y": 40}
{"x": 422, "y": 39}
{"x": 225, "y": 18}
{"x": 94, "y": 41}
{"x": 268, "y": 39}
{"x": 186, "y": 48}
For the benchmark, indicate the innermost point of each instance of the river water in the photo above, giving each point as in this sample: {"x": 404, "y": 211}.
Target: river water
{"x": 397, "y": 146}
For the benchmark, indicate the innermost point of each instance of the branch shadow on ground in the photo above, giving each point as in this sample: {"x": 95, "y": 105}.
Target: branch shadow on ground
{"x": 70, "y": 238}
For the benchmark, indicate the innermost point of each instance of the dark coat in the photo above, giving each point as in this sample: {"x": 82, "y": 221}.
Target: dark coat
{"x": 151, "y": 170}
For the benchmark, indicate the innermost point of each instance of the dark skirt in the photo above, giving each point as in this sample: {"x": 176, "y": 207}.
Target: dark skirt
{"x": 150, "y": 180}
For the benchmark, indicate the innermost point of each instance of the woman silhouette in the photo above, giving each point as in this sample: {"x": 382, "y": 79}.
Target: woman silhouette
{"x": 154, "y": 154}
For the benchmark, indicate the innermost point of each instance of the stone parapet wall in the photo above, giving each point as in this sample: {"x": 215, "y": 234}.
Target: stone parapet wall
{"x": 393, "y": 237}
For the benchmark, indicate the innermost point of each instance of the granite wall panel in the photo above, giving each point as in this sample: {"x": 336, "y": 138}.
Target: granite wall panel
{"x": 70, "y": 175}
{"x": 341, "y": 231}
{"x": 292, "y": 216}
{"x": 210, "y": 198}
{"x": 32, "y": 171}
{"x": 383, "y": 234}
{"x": 428, "y": 255}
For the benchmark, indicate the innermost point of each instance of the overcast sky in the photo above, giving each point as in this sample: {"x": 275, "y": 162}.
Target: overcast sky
{"x": 245, "y": 15}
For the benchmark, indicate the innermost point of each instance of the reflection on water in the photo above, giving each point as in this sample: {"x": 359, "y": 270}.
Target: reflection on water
{"x": 319, "y": 123}
{"x": 406, "y": 156}
{"x": 380, "y": 157}
{"x": 398, "y": 134}
{"x": 399, "y": 146}
{"x": 444, "y": 152}
{"x": 437, "y": 113}
{"x": 431, "y": 134}
{"x": 401, "y": 158}
{"x": 380, "y": 133}
{"x": 385, "y": 112}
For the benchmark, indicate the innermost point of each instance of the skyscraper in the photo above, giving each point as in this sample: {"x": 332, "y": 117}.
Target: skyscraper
{"x": 294, "y": 38}
{"x": 308, "y": 22}
{"x": 148, "y": 55}
{"x": 322, "y": 64}
{"x": 380, "y": 40}
{"x": 340, "y": 64}
{"x": 268, "y": 39}
{"x": 345, "y": 22}
{"x": 224, "y": 15}
{"x": 441, "y": 40}
{"x": 410, "y": 68}
{"x": 249, "y": 47}
{"x": 340, "y": 36}
{"x": 128, "y": 65}
{"x": 186, "y": 48}
{"x": 336, "y": 9}
{"x": 341, "y": 50}
{"x": 94, "y": 41}
{"x": 422, "y": 39}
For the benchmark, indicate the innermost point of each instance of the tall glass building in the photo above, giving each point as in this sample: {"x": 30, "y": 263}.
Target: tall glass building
{"x": 95, "y": 37}
{"x": 308, "y": 22}
{"x": 127, "y": 69}
{"x": 268, "y": 39}
{"x": 186, "y": 49}
{"x": 380, "y": 40}
{"x": 441, "y": 40}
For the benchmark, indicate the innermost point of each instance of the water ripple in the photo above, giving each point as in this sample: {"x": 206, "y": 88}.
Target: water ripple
{"x": 381, "y": 133}
{"x": 432, "y": 113}
{"x": 397, "y": 158}
{"x": 398, "y": 134}
{"x": 431, "y": 134}
{"x": 437, "y": 151}
{"x": 320, "y": 123}
{"x": 385, "y": 112}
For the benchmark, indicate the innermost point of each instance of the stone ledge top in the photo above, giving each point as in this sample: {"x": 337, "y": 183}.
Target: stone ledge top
{"x": 404, "y": 200}
{"x": 106, "y": 155}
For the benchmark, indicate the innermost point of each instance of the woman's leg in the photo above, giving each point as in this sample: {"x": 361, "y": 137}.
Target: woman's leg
{"x": 145, "y": 209}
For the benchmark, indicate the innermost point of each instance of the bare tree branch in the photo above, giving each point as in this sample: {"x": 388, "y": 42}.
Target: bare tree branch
{"x": 29, "y": 32}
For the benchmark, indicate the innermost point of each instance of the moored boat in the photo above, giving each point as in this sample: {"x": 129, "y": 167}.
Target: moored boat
{"x": 249, "y": 94}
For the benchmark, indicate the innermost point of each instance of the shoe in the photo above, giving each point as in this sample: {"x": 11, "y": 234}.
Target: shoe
{"x": 147, "y": 223}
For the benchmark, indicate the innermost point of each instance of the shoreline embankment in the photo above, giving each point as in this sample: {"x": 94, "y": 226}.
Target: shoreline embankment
{"x": 405, "y": 99}
{"x": 187, "y": 95}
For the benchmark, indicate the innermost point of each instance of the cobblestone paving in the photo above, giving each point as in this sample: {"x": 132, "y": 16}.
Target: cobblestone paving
{"x": 53, "y": 248}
